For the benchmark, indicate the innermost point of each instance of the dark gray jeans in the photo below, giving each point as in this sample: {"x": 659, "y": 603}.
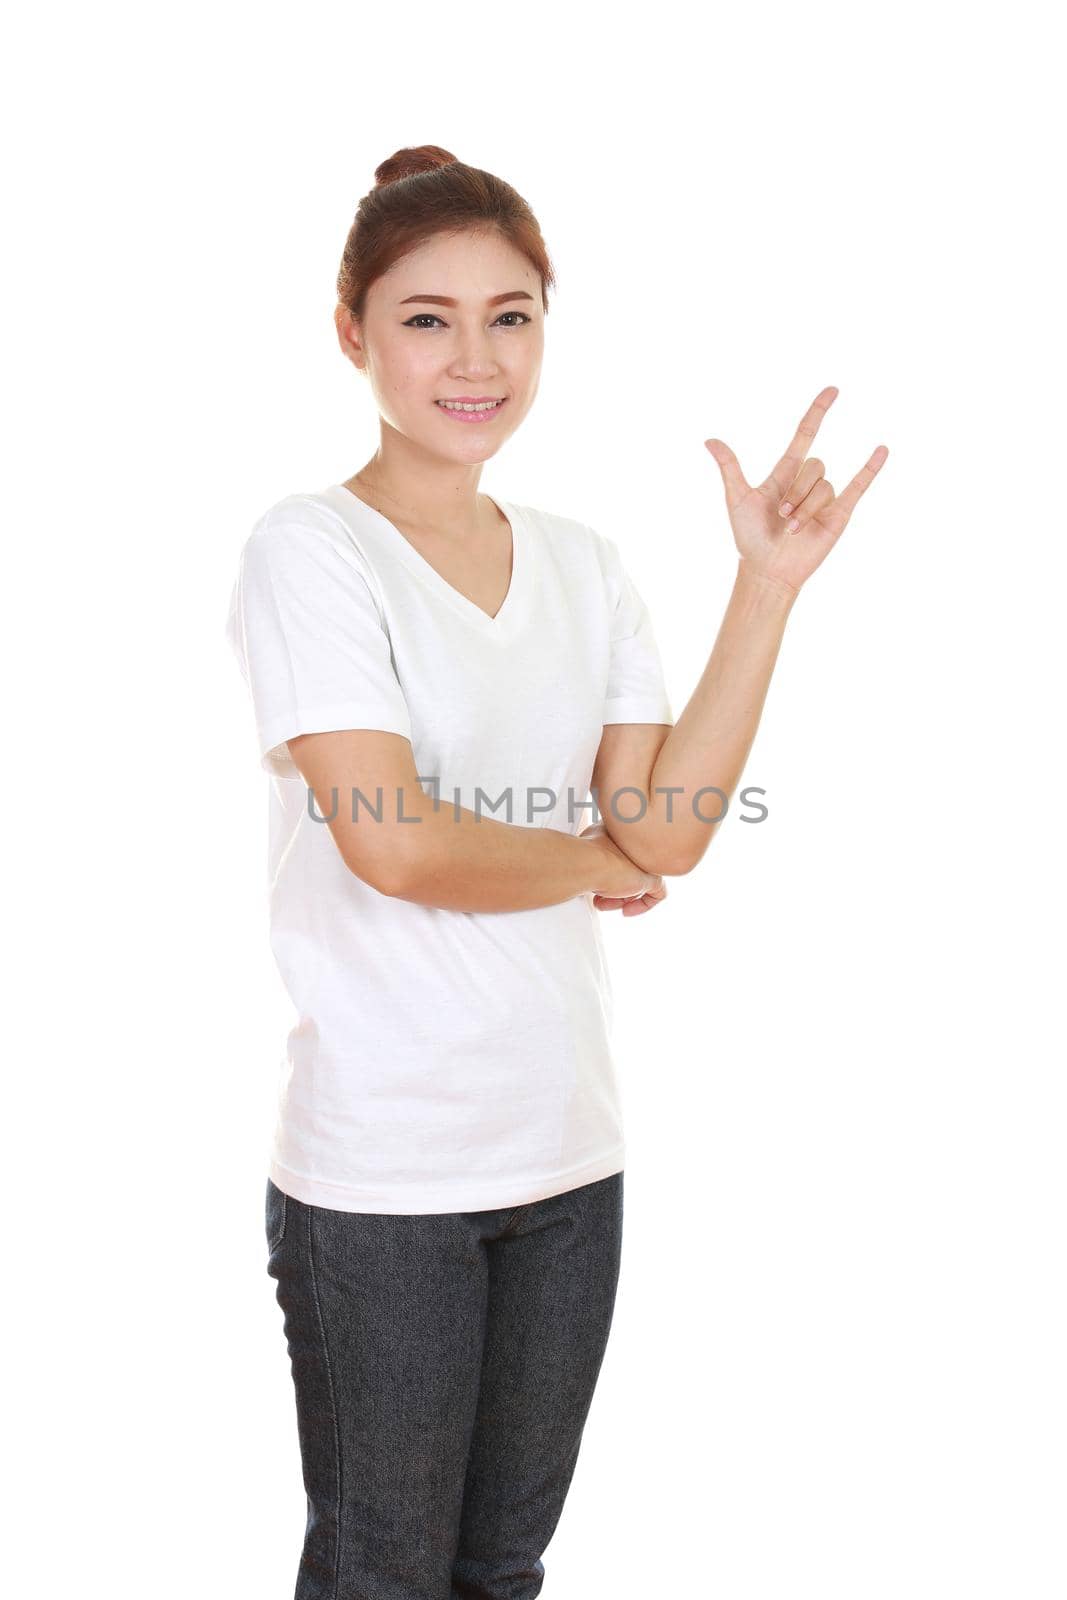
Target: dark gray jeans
{"x": 444, "y": 1365}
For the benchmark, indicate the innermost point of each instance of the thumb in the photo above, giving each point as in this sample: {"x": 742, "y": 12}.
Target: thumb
{"x": 732, "y": 476}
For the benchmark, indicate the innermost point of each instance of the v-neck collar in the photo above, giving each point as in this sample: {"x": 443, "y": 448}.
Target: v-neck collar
{"x": 513, "y": 605}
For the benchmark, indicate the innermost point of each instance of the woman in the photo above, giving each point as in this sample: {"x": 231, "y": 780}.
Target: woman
{"x": 444, "y": 1201}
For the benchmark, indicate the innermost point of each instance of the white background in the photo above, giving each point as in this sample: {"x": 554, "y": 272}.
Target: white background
{"x": 836, "y": 1368}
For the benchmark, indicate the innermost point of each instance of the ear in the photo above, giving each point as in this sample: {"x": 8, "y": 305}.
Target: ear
{"x": 348, "y": 335}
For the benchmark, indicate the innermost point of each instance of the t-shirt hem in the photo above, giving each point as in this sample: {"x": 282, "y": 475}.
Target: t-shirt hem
{"x": 420, "y": 1199}
{"x": 630, "y": 708}
{"x": 333, "y": 718}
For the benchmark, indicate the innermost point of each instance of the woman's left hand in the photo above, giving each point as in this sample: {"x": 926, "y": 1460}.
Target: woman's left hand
{"x": 794, "y": 490}
{"x": 634, "y": 907}
{"x": 637, "y": 904}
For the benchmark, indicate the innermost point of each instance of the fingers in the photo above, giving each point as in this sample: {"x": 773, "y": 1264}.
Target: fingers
{"x": 638, "y": 907}
{"x": 849, "y": 496}
{"x": 733, "y": 478}
{"x": 797, "y": 482}
{"x": 818, "y": 497}
{"x": 632, "y": 905}
{"x": 645, "y": 902}
{"x": 786, "y": 469}
{"x": 805, "y": 480}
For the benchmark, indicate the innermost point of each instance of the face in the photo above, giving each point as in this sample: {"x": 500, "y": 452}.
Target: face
{"x": 416, "y": 351}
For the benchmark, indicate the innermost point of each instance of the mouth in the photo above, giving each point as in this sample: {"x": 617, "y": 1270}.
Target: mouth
{"x": 472, "y": 411}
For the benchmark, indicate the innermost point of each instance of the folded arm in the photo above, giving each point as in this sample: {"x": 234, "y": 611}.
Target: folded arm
{"x": 403, "y": 843}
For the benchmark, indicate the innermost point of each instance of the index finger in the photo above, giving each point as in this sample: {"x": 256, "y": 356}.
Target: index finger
{"x": 785, "y": 470}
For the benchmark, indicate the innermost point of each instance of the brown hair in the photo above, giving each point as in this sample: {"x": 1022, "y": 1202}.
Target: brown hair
{"x": 421, "y": 191}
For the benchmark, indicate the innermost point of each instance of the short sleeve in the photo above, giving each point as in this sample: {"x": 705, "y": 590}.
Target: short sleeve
{"x": 636, "y": 690}
{"x": 310, "y": 642}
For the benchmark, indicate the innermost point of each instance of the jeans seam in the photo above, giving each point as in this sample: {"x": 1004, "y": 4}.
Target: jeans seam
{"x": 280, "y": 1235}
{"x": 333, "y": 1406}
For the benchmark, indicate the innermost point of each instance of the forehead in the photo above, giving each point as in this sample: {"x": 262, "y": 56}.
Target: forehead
{"x": 468, "y": 266}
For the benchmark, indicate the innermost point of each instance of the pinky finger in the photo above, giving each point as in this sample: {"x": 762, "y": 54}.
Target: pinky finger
{"x": 848, "y": 499}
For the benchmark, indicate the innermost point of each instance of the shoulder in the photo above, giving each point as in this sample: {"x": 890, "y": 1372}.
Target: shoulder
{"x": 304, "y": 529}
{"x": 297, "y": 516}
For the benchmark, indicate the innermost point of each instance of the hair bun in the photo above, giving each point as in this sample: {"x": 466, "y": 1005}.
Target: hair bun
{"x": 410, "y": 161}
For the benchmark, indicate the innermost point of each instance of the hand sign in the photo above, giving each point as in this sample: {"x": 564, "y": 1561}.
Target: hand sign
{"x": 787, "y": 527}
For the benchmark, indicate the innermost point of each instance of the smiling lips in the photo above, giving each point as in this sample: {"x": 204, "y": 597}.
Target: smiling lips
{"x": 472, "y": 410}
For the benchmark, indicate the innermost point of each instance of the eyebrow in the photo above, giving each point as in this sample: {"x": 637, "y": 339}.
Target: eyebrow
{"x": 447, "y": 300}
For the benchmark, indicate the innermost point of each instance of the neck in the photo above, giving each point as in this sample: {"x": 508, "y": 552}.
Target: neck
{"x": 445, "y": 497}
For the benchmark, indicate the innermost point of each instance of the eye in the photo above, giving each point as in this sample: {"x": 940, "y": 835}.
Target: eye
{"x": 430, "y": 316}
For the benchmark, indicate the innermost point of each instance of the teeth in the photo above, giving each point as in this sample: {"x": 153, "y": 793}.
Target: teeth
{"x": 488, "y": 405}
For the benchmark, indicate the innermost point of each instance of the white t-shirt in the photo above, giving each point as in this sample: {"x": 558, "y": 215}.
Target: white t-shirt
{"x": 442, "y": 1060}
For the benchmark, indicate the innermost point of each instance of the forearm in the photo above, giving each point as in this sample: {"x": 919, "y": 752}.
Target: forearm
{"x": 710, "y": 742}
{"x": 461, "y": 860}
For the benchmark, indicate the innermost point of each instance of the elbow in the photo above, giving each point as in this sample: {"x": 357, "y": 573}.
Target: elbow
{"x": 391, "y": 870}
{"x": 659, "y": 854}
{"x": 677, "y": 866}
{"x": 683, "y": 861}
{"x": 373, "y": 875}
{"x": 402, "y": 879}
{"x": 663, "y": 865}
{"x": 689, "y": 852}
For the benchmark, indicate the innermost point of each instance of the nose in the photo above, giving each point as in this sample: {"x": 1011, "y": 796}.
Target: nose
{"x": 474, "y": 358}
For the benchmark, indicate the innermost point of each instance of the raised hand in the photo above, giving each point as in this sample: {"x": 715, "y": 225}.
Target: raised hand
{"x": 787, "y": 526}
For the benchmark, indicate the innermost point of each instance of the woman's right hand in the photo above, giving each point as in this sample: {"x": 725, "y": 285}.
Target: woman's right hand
{"x": 619, "y": 879}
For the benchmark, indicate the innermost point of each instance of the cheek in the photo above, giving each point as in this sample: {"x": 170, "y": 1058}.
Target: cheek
{"x": 416, "y": 382}
{"x": 405, "y": 370}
